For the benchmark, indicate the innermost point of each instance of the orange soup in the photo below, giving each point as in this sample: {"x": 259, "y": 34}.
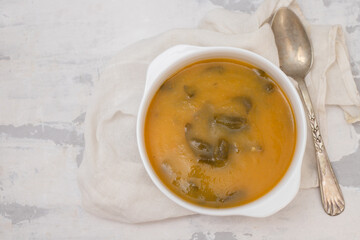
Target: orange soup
{"x": 220, "y": 133}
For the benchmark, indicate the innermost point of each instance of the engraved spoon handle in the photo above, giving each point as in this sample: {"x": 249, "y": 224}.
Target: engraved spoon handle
{"x": 331, "y": 195}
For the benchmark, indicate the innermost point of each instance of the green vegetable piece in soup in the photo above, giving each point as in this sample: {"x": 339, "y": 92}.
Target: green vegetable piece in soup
{"x": 167, "y": 86}
{"x": 190, "y": 91}
{"x": 220, "y": 156}
{"x": 266, "y": 82}
{"x": 231, "y": 122}
{"x": 212, "y": 162}
{"x": 208, "y": 194}
{"x": 246, "y": 102}
{"x": 201, "y": 148}
{"x": 234, "y": 196}
{"x": 193, "y": 190}
{"x": 269, "y": 87}
{"x": 221, "y": 151}
{"x": 188, "y": 128}
{"x": 209, "y": 161}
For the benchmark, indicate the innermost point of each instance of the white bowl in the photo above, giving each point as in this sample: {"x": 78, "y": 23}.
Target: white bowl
{"x": 180, "y": 56}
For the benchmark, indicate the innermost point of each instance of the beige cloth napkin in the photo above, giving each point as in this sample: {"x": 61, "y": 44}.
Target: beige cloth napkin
{"x": 112, "y": 179}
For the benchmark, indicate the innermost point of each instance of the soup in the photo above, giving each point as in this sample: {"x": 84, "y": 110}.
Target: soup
{"x": 220, "y": 133}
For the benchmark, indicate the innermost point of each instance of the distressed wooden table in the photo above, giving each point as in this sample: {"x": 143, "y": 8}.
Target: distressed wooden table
{"x": 51, "y": 53}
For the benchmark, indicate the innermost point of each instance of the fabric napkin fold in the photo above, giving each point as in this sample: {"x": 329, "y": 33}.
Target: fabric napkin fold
{"x": 112, "y": 179}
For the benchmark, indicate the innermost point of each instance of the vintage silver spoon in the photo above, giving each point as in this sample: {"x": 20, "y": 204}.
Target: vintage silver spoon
{"x": 296, "y": 57}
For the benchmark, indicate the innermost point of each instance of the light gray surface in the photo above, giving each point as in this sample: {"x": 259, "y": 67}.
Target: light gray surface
{"x": 51, "y": 53}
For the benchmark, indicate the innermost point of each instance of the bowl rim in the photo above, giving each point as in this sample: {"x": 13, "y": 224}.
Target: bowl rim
{"x": 180, "y": 56}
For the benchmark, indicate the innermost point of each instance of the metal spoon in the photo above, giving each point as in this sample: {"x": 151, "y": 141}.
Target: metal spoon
{"x": 296, "y": 57}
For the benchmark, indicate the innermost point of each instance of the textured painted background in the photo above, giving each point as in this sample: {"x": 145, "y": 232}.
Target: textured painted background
{"x": 52, "y": 52}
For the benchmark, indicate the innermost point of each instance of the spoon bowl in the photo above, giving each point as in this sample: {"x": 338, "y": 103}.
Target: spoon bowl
{"x": 295, "y": 52}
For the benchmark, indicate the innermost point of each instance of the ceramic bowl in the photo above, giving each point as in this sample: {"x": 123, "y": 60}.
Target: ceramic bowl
{"x": 180, "y": 56}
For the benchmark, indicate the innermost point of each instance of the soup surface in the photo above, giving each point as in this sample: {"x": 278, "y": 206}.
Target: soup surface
{"x": 220, "y": 133}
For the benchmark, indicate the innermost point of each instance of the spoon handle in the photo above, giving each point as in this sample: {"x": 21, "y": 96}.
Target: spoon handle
{"x": 331, "y": 195}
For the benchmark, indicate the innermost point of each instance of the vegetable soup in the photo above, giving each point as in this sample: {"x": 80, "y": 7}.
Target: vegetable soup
{"x": 220, "y": 133}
